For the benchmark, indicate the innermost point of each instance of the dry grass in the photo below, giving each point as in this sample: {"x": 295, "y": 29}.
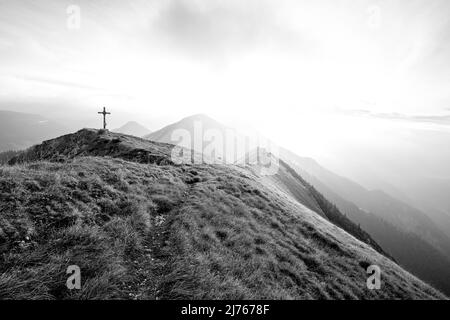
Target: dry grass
{"x": 147, "y": 231}
{"x": 237, "y": 239}
{"x": 92, "y": 213}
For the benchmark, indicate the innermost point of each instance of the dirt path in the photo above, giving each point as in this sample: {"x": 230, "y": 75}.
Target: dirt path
{"x": 150, "y": 269}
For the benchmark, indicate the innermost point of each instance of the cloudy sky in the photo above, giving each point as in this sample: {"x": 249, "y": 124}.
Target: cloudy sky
{"x": 327, "y": 75}
{"x": 182, "y": 56}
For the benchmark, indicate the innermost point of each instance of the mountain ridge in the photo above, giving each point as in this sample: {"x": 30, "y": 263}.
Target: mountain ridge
{"x": 405, "y": 244}
{"x": 389, "y": 226}
{"x": 133, "y": 128}
{"x": 194, "y": 231}
{"x": 165, "y": 134}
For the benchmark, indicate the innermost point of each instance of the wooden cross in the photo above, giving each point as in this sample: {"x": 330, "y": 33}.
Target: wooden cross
{"x": 104, "y": 113}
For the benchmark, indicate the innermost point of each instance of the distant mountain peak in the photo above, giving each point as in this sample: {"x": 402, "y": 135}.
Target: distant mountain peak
{"x": 205, "y": 119}
{"x": 131, "y": 123}
{"x": 187, "y": 123}
{"x": 133, "y": 128}
{"x": 198, "y": 116}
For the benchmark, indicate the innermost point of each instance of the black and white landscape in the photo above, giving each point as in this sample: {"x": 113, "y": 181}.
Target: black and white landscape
{"x": 207, "y": 149}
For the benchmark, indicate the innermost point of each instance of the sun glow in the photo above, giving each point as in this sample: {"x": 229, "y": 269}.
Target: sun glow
{"x": 282, "y": 67}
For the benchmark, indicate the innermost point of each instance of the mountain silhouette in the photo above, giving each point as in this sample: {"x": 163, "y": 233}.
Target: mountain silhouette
{"x": 133, "y": 128}
{"x": 188, "y": 123}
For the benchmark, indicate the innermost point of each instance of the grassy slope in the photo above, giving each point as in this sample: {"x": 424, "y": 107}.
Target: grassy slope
{"x": 291, "y": 183}
{"x": 155, "y": 230}
{"x": 409, "y": 249}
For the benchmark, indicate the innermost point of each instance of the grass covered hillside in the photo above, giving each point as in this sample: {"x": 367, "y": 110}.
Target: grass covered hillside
{"x": 291, "y": 184}
{"x": 140, "y": 227}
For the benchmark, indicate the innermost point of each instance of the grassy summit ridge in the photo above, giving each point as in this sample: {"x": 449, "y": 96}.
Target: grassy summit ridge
{"x": 141, "y": 227}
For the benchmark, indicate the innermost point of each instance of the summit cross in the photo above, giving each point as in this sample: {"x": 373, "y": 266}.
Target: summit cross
{"x": 104, "y": 113}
